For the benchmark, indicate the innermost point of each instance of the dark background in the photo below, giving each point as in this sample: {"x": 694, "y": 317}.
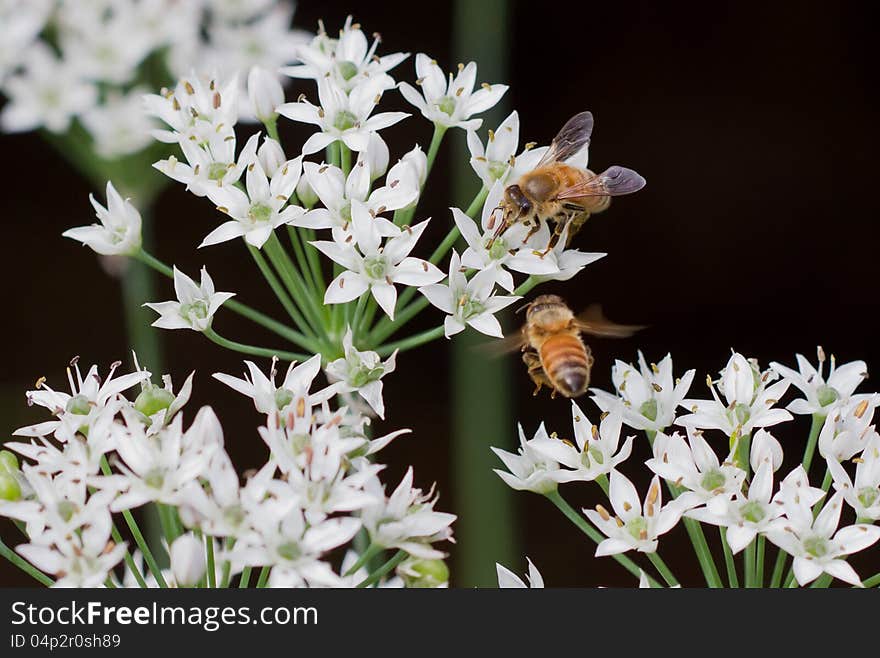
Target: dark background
{"x": 754, "y": 124}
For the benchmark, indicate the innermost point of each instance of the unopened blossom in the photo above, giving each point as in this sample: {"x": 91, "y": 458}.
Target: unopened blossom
{"x": 693, "y": 464}
{"x": 528, "y": 469}
{"x": 421, "y": 573}
{"x": 635, "y": 526}
{"x": 407, "y": 519}
{"x": 361, "y": 372}
{"x": 271, "y": 157}
{"x": 187, "y": 555}
{"x": 265, "y": 94}
{"x": 292, "y": 394}
{"x": 160, "y": 404}
{"x": 596, "y": 450}
{"x": 257, "y": 212}
{"x": 195, "y": 306}
{"x": 373, "y": 266}
{"x": 743, "y": 516}
{"x": 650, "y": 395}
{"x": 81, "y": 407}
{"x": 847, "y": 428}
{"x": 337, "y": 192}
{"x": 119, "y": 231}
{"x": 863, "y": 492}
{"x": 817, "y": 545}
{"x": 342, "y": 117}
{"x": 211, "y": 164}
{"x": 47, "y": 93}
{"x": 820, "y": 394}
{"x": 119, "y": 125}
{"x": 450, "y": 104}
{"x": 347, "y": 60}
{"x": 468, "y": 302}
{"x": 748, "y": 401}
{"x": 509, "y": 580}
{"x": 765, "y": 448}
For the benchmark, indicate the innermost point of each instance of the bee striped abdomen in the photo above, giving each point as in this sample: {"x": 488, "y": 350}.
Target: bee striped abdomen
{"x": 567, "y": 364}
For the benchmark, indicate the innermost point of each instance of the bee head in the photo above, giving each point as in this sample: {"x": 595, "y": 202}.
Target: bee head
{"x": 514, "y": 195}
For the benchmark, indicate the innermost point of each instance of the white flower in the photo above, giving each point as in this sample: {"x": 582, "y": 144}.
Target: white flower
{"x": 595, "y": 451}
{"x": 450, "y": 105}
{"x": 795, "y": 489}
{"x": 119, "y": 125}
{"x": 748, "y": 401}
{"x": 22, "y": 21}
{"x": 818, "y": 546}
{"x": 635, "y": 527}
{"x": 346, "y": 60}
{"x": 650, "y": 395}
{"x": 187, "y": 554}
{"x": 468, "y": 302}
{"x": 265, "y": 94}
{"x": 744, "y": 517}
{"x": 695, "y": 466}
{"x": 195, "y": 305}
{"x": 847, "y": 427}
{"x": 261, "y": 210}
{"x": 821, "y": 394}
{"x": 530, "y": 470}
{"x": 337, "y": 193}
{"x": 372, "y": 266}
{"x": 765, "y": 448}
{"x": 493, "y": 162}
{"x": 292, "y": 394}
{"x": 361, "y": 372}
{"x": 47, "y": 93}
{"x": 342, "y": 117}
{"x": 406, "y": 519}
{"x": 118, "y": 234}
{"x": 196, "y": 109}
{"x": 211, "y": 164}
{"x": 863, "y": 494}
{"x": 509, "y": 580}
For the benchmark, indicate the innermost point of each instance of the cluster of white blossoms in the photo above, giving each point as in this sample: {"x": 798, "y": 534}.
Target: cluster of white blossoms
{"x": 93, "y": 60}
{"x": 721, "y": 469}
{"x": 103, "y": 455}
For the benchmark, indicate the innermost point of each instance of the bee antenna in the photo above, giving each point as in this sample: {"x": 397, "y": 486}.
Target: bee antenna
{"x": 523, "y": 307}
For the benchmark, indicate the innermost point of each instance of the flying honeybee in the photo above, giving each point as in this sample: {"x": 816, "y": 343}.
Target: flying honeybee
{"x": 552, "y": 348}
{"x": 563, "y": 193}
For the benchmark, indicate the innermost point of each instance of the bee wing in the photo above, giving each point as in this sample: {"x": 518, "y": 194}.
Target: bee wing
{"x": 593, "y": 321}
{"x": 573, "y": 136}
{"x": 614, "y": 181}
{"x": 510, "y": 343}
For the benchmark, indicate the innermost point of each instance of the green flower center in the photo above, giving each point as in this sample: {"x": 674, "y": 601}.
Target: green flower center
{"x": 374, "y": 267}
{"x": 827, "y": 395}
{"x": 498, "y": 250}
{"x": 426, "y": 573}
{"x": 345, "y": 212}
{"x": 713, "y": 480}
{"x": 816, "y": 546}
{"x": 9, "y": 487}
{"x": 283, "y": 397}
{"x": 868, "y": 496}
{"x": 79, "y": 405}
{"x": 447, "y": 105}
{"x": 363, "y": 375}
{"x": 347, "y": 69}
{"x": 217, "y": 171}
{"x": 753, "y": 511}
{"x": 152, "y": 400}
{"x": 8, "y": 462}
{"x": 260, "y": 212}
{"x": 741, "y": 413}
{"x": 637, "y": 527}
{"x": 197, "y": 310}
{"x": 497, "y": 169}
{"x": 649, "y": 409}
{"x": 154, "y": 479}
{"x": 234, "y": 515}
{"x": 66, "y": 509}
{"x": 344, "y": 120}
{"x": 290, "y": 551}
{"x": 470, "y": 307}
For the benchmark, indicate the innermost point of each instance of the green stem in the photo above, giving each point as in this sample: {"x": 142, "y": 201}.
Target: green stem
{"x": 602, "y": 481}
{"x": 295, "y": 284}
{"x": 145, "y": 549}
{"x": 377, "y": 575}
{"x": 778, "y": 568}
{"x": 402, "y": 217}
{"x": 344, "y": 159}
{"x": 732, "y": 578}
{"x": 372, "y": 551}
{"x": 587, "y": 528}
{"x": 358, "y": 315}
{"x": 282, "y": 295}
{"x": 873, "y": 581}
{"x": 759, "y": 560}
{"x": 822, "y": 581}
{"x": 264, "y": 577}
{"x": 749, "y": 562}
{"x": 227, "y": 565}
{"x": 410, "y": 342}
{"x": 526, "y": 286}
{"x": 272, "y": 128}
{"x": 664, "y": 570}
{"x": 301, "y": 260}
{"x": 24, "y": 565}
{"x": 209, "y": 549}
{"x": 252, "y": 349}
{"x": 245, "y": 579}
{"x": 129, "y": 560}
{"x": 812, "y": 440}
{"x": 698, "y": 540}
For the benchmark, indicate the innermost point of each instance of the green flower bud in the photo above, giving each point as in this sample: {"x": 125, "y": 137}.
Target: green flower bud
{"x": 868, "y": 496}
{"x": 9, "y": 488}
{"x": 8, "y": 461}
{"x": 217, "y": 170}
{"x": 753, "y": 511}
{"x": 78, "y": 404}
{"x": 374, "y": 267}
{"x": 66, "y": 510}
{"x": 260, "y": 212}
{"x": 713, "y": 480}
{"x": 347, "y": 69}
{"x": 637, "y": 527}
{"x": 283, "y": 397}
{"x": 649, "y": 409}
{"x": 344, "y": 120}
{"x": 498, "y": 249}
{"x": 816, "y": 546}
{"x": 447, "y": 105}
{"x": 425, "y": 573}
{"x": 153, "y": 400}
{"x": 290, "y": 551}
{"x": 827, "y": 395}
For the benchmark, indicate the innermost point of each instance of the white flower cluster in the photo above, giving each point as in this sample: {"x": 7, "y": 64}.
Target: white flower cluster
{"x": 738, "y": 491}
{"x": 103, "y": 454}
{"x": 62, "y": 60}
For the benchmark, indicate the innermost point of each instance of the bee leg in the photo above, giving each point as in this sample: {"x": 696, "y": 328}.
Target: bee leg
{"x": 532, "y": 230}
{"x": 557, "y": 231}
{"x": 535, "y": 370}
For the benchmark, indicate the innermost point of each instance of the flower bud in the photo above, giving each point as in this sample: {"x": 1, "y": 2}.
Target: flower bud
{"x": 419, "y": 161}
{"x": 188, "y": 560}
{"x": 152, "y": 400}
{"x": 306, "y": 193}
{"x": 265, "y": 94}
{"x": 424, "y": 573}
{"x": 271, "y": 156}
{"x": 9, "y": 487}
{"x": 376, "y": 156}
{"x": 8, "y": 462}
